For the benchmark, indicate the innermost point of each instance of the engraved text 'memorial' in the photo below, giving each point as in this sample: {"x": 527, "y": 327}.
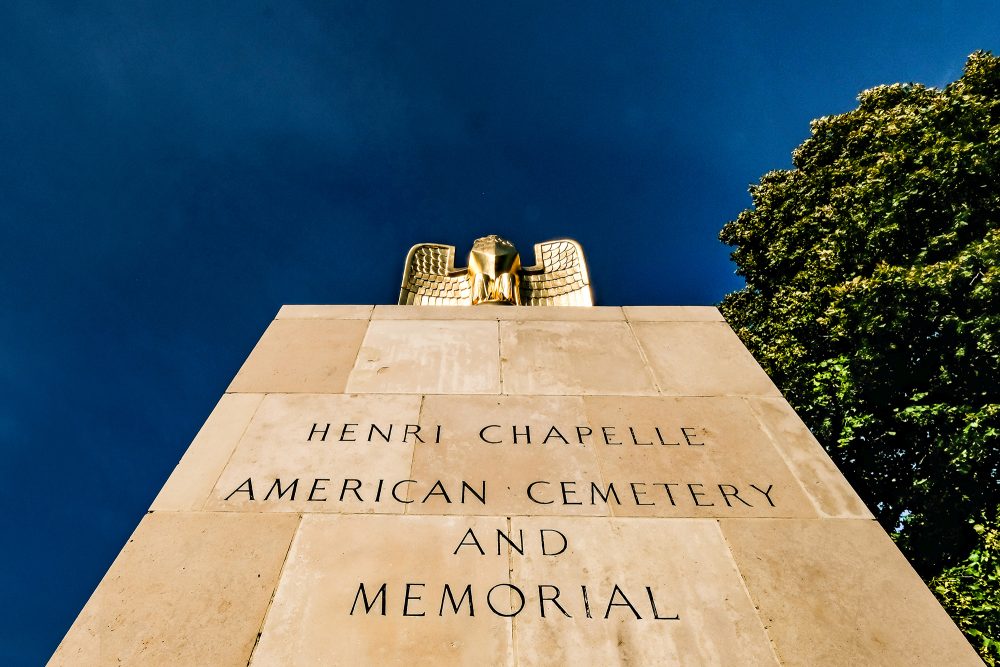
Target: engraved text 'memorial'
{"x": 495, "y": 275}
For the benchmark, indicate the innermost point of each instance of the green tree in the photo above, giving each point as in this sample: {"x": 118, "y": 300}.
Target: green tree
{"x": 872, "y": 300}
{"x": 971, "y": 591}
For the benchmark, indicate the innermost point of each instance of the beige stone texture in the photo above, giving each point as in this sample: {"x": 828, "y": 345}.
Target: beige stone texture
{"x": 488, "y": 312}
{"x": 310, "y": 621}
{"x": 563, "y": 313}
{"x": 302, "y": 355}
{"x": 822, "y": 481}
{"x": 701, "y": 359}
{"x": 444, "y": 313}
{"x": 372, "y": 418}
{"x": 296, "y": 312}
{"x": 684, "y": 562}
{"x": 572, "y": 358}
{"x": 505, "y": 468}
{"x": 732, "y": 470}
{"x": 340, "y": 474}
{"x": 194, "y": 477}
{"x": 672, "y": 314}
{"x": 838, "y": 592}
{"x": 428, "y": 357}
{"x": 188, "y": 589}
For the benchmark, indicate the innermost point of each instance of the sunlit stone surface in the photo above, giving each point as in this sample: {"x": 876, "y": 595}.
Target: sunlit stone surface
{"x": 503, "y": 485}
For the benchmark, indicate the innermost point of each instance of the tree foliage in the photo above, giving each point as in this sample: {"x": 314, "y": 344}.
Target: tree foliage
{"x": 971, "y": 591}
{"x": 872, "y": 300}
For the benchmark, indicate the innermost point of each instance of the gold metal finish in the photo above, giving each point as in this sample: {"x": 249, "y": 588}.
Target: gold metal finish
{"x": 493, "y": 270}
{"x": 559, "y": 276}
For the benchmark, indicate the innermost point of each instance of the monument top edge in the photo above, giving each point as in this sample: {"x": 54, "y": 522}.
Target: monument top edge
{"x": 497, "y": 312}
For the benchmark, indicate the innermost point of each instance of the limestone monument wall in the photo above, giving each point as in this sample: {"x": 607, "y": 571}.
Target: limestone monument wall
{"x": 507, "y": 486}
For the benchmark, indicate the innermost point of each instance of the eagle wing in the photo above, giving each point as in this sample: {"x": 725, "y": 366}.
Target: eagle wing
{"x": 559, "y": 276}
{"x": 431, "y": 279}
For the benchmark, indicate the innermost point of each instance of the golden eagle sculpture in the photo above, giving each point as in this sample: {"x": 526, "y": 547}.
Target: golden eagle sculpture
{"x": 495, "y": 276}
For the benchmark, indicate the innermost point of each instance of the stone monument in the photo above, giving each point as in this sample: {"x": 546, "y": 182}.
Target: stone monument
{"x": 503, "y": 484}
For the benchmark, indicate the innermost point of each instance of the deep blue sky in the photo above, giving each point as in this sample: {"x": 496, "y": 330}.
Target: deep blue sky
{"x": 172, "y": 172}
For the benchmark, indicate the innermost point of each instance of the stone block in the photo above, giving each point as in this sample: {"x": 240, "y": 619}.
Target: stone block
{"x": 820, "y": 478}
{"x": 672, "y": 314}
{"x": 188, "y": 589}
{"x": 490, "y": 312}
{"x": 302, "y": 355}
{"x": 478, "y": 448}
{"x": 428, "y": 357}
{"x": 679, "y": 599}
{"x": 691, "y": 457}
{"x": 701, "y": 359}
{"x": 194, "y": 477}
{"x": 572, "y": 358}
{"x": 322, "y": 453}
{"x": 319, "y": 615}
{"x": 838, "y": 592}
{"x": 296, "y": 312}
{"x": 442, "y": 313}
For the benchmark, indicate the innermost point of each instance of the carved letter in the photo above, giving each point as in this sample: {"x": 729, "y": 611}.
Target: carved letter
{"x": 695, "y": 495}
{"x": 559, "y": 435}
{"x": 395, "y": 488}
{"x": 623, "y": 603}
{"x": 503, "y": 536}
{"x": 316, "y": 487}
{"x": 440, "y": 492}
{"x": 281, "y": 492}
{"x": 514, "y": 612}
{"x": 595, "y": 490}
{"x": 240, "y": 489}
{"x": 735, "y": 494}
{"x": 530, "y": 495}
{"x": 687, "y": 436}
{"x": 480, "y": 498}
{"x": 385, "y": 436}
{"x": 456, "y": 605}
{"x": 766, "y": 494}
{"x": 315, "y": 430}
{"x": 565, "y": 542}
{"x": 407, "y": 598}
{"x": 482, "y": 434}
{"x": 354, "y": 489}
{"x": 364, "y": 596}
{"x": 554, "y": 599}
{"x": 415, "y": 433}
{"x": 652, "y": 605}
{"x": 634, "y": 440}
{"x": 475, "y": 543}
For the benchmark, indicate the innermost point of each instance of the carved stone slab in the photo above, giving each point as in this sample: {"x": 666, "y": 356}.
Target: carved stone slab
{"x": 507, "y": 485}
